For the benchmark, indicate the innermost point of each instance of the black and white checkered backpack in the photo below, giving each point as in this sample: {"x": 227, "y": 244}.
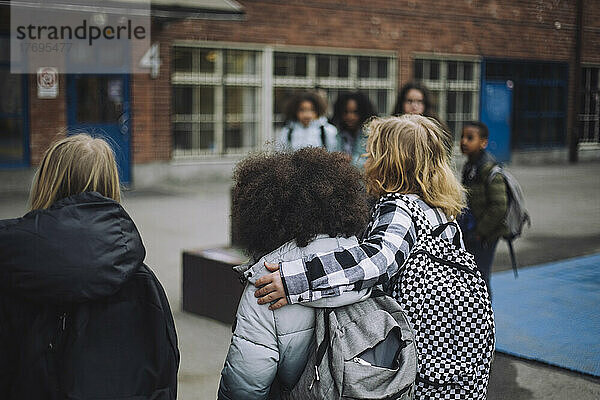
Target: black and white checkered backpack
{"x": 449, "y": 308}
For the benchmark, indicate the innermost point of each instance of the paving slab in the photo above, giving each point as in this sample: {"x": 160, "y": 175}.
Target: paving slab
{"x": 564, "y": 201}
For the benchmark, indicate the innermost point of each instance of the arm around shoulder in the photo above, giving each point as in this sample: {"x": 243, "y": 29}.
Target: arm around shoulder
{"x": 370, "y": 263}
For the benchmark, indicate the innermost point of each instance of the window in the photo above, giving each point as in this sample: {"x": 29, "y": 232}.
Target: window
{"x": 221, "y": 96}
{"x": 290, "y": 64}
{"x": 215, "y": 100}
{"x": 333, "y": 74}
{"x": 454, "y": 87}
{"x": 589, "y": 116}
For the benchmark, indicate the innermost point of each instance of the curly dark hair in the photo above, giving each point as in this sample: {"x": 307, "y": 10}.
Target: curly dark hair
{"x": 293, "y": 104}
{"x": 365, "y": 108}
{"x": 282, "y": 196}
{"x": 398, "y": 108}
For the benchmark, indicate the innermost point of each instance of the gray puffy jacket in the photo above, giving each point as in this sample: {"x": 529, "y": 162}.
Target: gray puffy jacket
{"x": 274, "y": 344}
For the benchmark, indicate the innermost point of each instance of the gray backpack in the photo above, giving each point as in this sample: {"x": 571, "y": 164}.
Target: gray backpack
{"x": 364, "y": 350}
{"x": 516, "y": 213}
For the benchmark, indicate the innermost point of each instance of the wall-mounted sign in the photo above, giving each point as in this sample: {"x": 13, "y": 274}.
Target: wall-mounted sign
{"x": 47, "y": 83}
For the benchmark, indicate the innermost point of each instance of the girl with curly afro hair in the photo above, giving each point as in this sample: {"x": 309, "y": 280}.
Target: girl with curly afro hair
{"x": 286, "y": 206}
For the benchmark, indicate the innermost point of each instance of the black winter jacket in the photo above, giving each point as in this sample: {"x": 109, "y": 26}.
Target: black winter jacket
{"x": 81, "y": 316}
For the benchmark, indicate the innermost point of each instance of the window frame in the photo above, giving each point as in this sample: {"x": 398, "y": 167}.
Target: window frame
{"x": 441, "y": 87}
{"x": 585, "y": 116}
{"x": 219, "y": 80}
{"x": 266, "y": 81}
{"x": 351, "y": 83}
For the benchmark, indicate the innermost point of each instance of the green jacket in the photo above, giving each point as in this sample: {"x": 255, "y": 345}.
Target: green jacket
{"x": 487, "y": 200}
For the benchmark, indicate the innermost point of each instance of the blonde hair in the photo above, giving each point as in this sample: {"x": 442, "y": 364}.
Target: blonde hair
{"x": 73, "y": 165}
{"x": 407, "y": 155}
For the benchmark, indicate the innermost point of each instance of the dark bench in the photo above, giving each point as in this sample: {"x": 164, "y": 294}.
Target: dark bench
{"x": 210, "y": 286}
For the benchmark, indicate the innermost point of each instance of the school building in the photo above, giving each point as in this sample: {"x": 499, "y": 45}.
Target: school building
{"x": 218, "y": 72}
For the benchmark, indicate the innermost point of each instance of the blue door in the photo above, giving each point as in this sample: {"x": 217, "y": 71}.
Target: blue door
{"x": 14, "y": 113}
{"x": 99, "y": 105}
{"x": 496, "y": 113}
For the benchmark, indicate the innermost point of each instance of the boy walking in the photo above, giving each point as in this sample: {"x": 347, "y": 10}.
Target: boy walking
{"x": 487, "y": 200}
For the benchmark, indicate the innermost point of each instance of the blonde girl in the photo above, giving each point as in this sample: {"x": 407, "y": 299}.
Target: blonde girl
{"x": 78, "y": 306}
{"x": 75, "y": 164}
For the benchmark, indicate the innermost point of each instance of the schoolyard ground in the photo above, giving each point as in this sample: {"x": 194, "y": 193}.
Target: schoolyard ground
{"x": 563, "y": 200}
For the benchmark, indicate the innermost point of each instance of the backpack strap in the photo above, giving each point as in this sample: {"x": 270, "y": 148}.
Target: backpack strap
{"x": 289, "y": 135}
{"x": 423, "y": 225}
{"x": 323, "y": 136}
{"x": 419, "y": 218}
{"x": 324, "y": 345}
{"x": 496, "y": 169}
{"x": 457, "y": 240}
{"x": 323, "y": 141}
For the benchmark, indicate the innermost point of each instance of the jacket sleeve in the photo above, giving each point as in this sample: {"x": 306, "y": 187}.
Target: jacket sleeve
{"x": 346, "y": 297}
{"x": 370, "y": 263}
{"x": 251, "y": 364}
{"x": 497, "y": 203}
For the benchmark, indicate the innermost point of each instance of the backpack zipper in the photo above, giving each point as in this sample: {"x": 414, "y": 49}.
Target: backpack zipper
{"x": 55, "y": 347}
{"x": 446, "y": 262}
{"x": 63, "y": 321}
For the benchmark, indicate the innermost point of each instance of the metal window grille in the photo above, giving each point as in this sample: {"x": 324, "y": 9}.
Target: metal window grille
{"x": 216, "y": 101}
{"x": 454, "y": 87}
{"x": 589, "y": 116}
{"x": 223, "y": 97}
{"x": 334, "y": 74}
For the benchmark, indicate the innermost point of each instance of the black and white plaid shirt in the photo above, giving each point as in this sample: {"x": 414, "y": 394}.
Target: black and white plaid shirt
{"x": 385, "y": 247}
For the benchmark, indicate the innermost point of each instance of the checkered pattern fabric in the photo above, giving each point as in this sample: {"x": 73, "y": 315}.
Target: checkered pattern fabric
{"x": 388, "y": 241}
{"x": 448, "y": 305}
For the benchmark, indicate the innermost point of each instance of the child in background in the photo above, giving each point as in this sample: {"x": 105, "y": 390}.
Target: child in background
{"x": 350, "y": 112}
{"x": 487, "y": 201}
{"x": 306, "y": 124}
{"x": 278, "y": 215}
{"x": 414, "y": 98}
{"x": 408, "y": 169}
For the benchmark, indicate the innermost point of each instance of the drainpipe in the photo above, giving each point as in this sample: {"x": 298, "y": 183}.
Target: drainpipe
{"x": 574, "y": 137}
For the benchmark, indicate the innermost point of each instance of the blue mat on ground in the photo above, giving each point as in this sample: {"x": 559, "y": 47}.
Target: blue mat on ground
{"x": 551, "y": 313}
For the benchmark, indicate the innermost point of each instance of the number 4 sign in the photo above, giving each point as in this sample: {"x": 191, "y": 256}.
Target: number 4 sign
{"x": 151, "y": 60}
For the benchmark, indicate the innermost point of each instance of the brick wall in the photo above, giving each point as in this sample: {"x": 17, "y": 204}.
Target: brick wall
{"x": 534, "y": 30}
{"x": 47, "y": 118}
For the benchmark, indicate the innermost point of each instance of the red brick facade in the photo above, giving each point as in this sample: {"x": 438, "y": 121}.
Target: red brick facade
{"x": 535, "y": 30}
{"x": 47, "y": 118}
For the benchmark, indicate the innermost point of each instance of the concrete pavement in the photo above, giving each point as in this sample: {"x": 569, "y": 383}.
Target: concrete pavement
{"x": 564, "y": 202}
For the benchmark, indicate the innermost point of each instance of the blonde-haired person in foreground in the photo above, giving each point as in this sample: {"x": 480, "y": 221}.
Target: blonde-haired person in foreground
{"x": 407, "y": 169}
{"x": 81, "y": 316}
